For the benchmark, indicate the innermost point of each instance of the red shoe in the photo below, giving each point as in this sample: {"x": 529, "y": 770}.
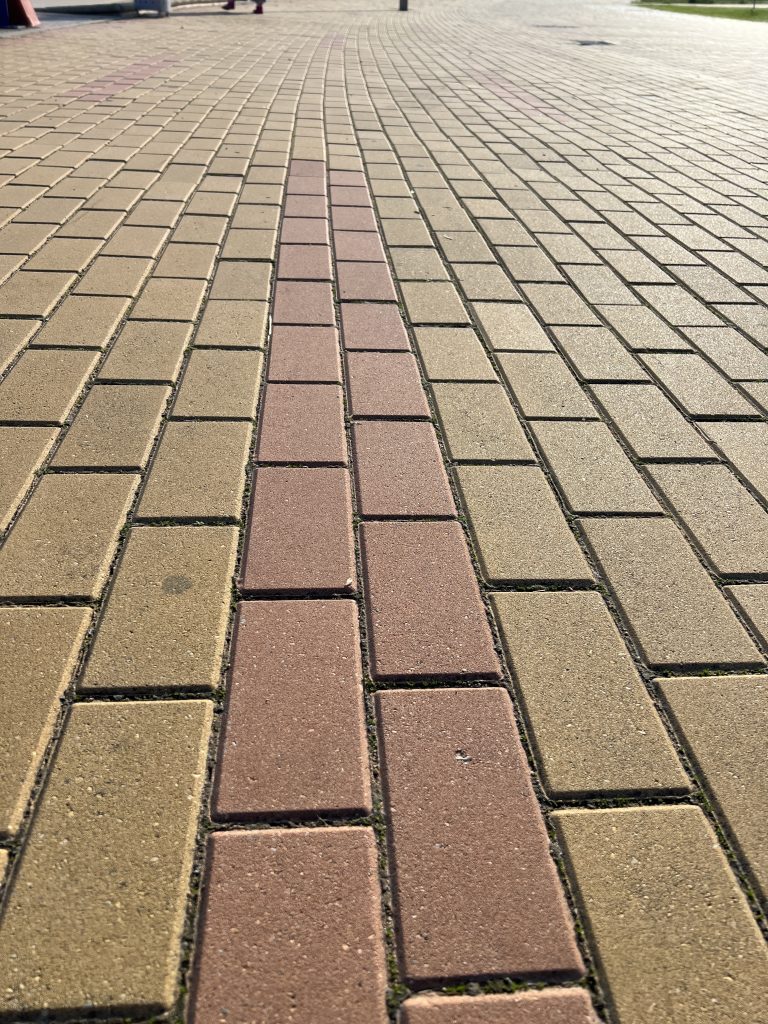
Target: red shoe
{"x": 258, "y": 9}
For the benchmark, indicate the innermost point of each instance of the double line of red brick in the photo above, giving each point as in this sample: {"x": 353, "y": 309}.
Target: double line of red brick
{"x": 291, "y": 926}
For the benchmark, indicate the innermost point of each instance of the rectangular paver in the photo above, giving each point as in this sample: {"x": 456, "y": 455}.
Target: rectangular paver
{"x": 294, "y": 660}
{"x": 114, "y": 428}
{"x": 166, "y": 617}
{"x": 520, "y": 533}
{"x": 63, "y": 542}
{"x": 553, "y": 1006}
{"x": 697, "y": 953}
{"x": 302, "y": 423}
{"x": 425, "y": 616}
{"x": 198, "y": 471}
{"x": 44, "y": 385}
{"x": 300, "y": 536}
{"x": 111, "y": 846}
{"x": 399, "y": 470}
{"x": 593, "y": 724}
{"x": 672, "y": 606}
{"x": 458, "y": 792}
{"x": 40, "y": 648}
{"x": 308, "y": 942}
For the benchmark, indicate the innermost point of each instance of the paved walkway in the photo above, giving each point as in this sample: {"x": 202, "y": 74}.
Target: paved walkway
{"x": 384, "y": 576}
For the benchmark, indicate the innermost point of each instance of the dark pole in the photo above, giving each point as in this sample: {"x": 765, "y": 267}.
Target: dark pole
{"x": 403, "y": 5}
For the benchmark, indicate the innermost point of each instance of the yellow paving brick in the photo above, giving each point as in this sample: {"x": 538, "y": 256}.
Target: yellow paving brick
{"x": 14, "y": 334}
{"x": 232, "y": 322}
{"x": 453, "y": 353}
{"x": 479, "y": 423}
{"x": 180, "y": 260}
{"x": 22, "y": 450}
{"x": 114, "y": 428}
{"x": 65, "y": 254}
{"x": 510, "y": 326}
{"x": 166, "y": 616}
{"x": 521, "y": 535}
{"x": 136, "y": 241}
{"x": 594, "y": 727}
{"x": 235, "y": 280}
{"x": 84, "y": 320}
{"x": 64, "y": 540}
{"x": 32, "y": 293}
{"x": 147, "y": 351}
{"x": 198, "y": 471}
{"x": 220, "y": 383}
{"x": 95, "y": 916}
{"x": 673, "y": 936}
{"x": 43, "y": 385}
{"x": 115, "y": 275}
{"x": 433, "y": 302}
{"x": 91, "y": 224}
{"x": 250, "y": 244}
{"x": 200, "y": 229}
{"x": 39, "y": 649}
{"x": 724, "y": 724}
{"x": 170, "y": 298}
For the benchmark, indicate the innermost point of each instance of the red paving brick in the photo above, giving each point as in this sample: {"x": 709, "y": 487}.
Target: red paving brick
{"x": 301, "y": 302}
{"x": 477, "y": 893}
{"x": 291, "y": 929}
{"x": 358, "y": 245}
{"x": 385, "y": 384}
{"x": 349, "y": 195}
{"x": 300, "y": 537}
{"x": 350, "y": 218}
{"x": 399, "y": 470}
{"x": 302, "y": 423}
{"x": 294, "y": 741}
{"x": 305, "y": 206}
{"x": 373, "y": 327}
{"x": 301, "y": 185}
{"x": 567, "y": 1006}
{"x": 305, "y": 262}
{"x": 365, "y": 281}
{"x": 304, "y": 231}
{"x": 304, "y": 354}
{"x": 425, "y": 616}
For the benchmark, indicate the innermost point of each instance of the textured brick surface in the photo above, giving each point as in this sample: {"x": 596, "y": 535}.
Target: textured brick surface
{"x": 118, "y": 816}
{"x": 385, "y": 384}
{"x": 568, "y": 1006}
{"x": 520, "y": 533}
{"x": 672, "y": 606}
{"x": 39, "y": 656}
{"x": 400, "y": 470}
{"x": 308, "y": 944}
{"x": 166, "y": 616}
{"x": 593, "y": 724}
{"x": 64, "y": 541}
{"x": 457, "y": 792}
{"x": 425, "y": 616}
{"x": 684, "y": 918}
{"x": 114, "y": 428}
{"x": 302, "y": 423}
{"x": 537, "y": 273}
{"x": 300, "y": 537}
{"x": 479, "y": 423}
{"x": 294, "y": 660}
{"x": 724, "y": 724}
{"x": 21, "y": 453}
{"x": 198, "y": 471}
